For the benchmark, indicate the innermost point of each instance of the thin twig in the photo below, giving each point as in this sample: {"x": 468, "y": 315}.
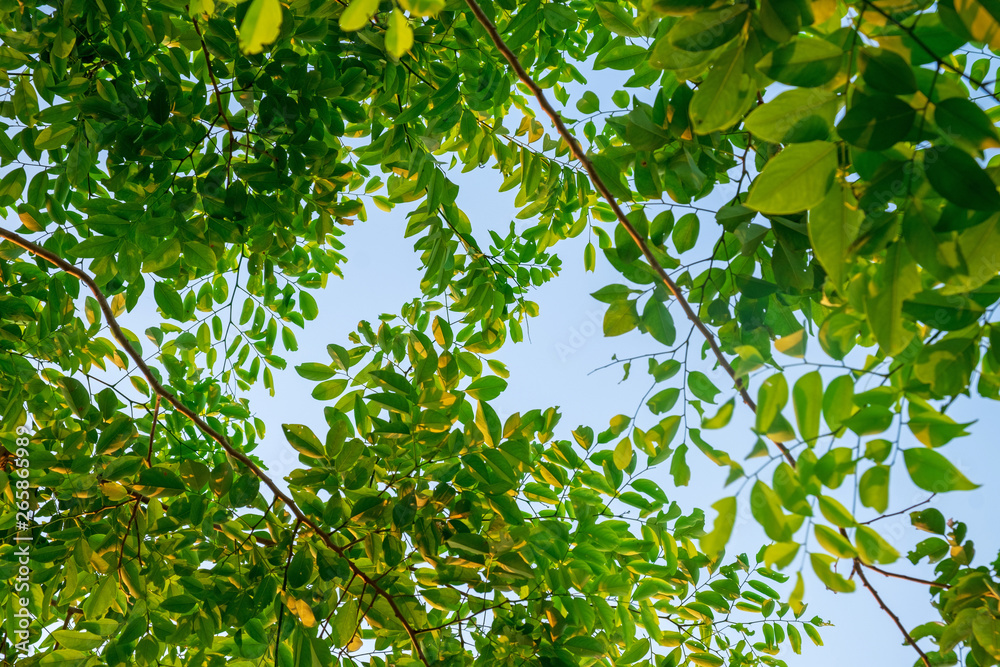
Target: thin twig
{"x": 907, "y": 577}
{"x": 599, "y": 184}
{"x": 119, "y": 335}
{"x": 903, "y": 511}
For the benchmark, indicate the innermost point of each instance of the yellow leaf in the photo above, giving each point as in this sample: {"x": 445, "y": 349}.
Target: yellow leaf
{"x": 399, "y": 36}
{"x": 305, "y": 614}
{"x": 423, "y": 7}
{"x": 355, "y": 644}
{"x": 980, "y": 21}
{"x": 199, "y": 7}
{"x": 357, "y": 14}
{"x": 114, "y": 491}
{"x": 260, "y": 26}
{"x": 623, "y": 454}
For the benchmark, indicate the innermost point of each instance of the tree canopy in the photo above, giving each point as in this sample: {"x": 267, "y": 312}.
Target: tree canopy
{"x": 203, "y": 159}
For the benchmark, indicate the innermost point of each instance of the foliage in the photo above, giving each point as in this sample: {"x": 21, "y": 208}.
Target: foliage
{"x": 204, "y": 157}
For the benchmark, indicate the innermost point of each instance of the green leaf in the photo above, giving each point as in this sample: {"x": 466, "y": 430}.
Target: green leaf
{"x": 838, "y": 401}
{"x": 159, "y": 481}
{"x": 958, "y": 178}
{"x": 930, "y": 520}
{"x": 834, "y": 542}
{"x": 679, "y": 469}
{"x": 611, "y": 175}
{"x": 620, "y": 318}
{"x": 821, "y": 564}
{"x": 709, "y": 30}
{"x": 789, "y": 488}
{"x": 886, "y": 71}
{"x": 715, "y": 541}
{"x": 261, "y": 25}
{"x": 963, "y": 120}
{"x": 78, "y": 640}
{"x": 876, "y": 122}
{"x": 685, "y": 232}
{"x": 771, "y": 398}
{"x": 722, "y": 417}
{"x": 794, "y": 116}
{"x": 486, "y": 388}
{"x": 179, "y": 604}
{"x": 895, "y": 281}
{"x": 301, "y": 568}
{"x": 315, "y": 371}
{"x": 873, "y": 488}
{"x": 931, "y": 471}
{"x": 329, "y": 390}
{"x": 766, "y": 509}
{"x": 97, "y": 246}
{"x": 357, "y": 15}
{"x": 725, "y": 94}
{"x": 657, "y": 321}
{"x": 169, "y": 301}
{"x": 54, "y": 136}
{"x": 835, "y": 512}
{"x": 617, "y": 19}
{"x": 399, "y": 34}
{"x": 701, "y": 386}
{"x": 986, "y": 630}
{"x": 76, "y": 395}
{"x": 807, "y": 398}
{"x": 588, "y": 103}
{"x": 803, "y": 62}
{"x": 873, "y": 548}
{"x": 797, "y": 179}
{"x": 947, "y": 313}
{"x": 663, "y": 401}
{"x": 164, "y": 256}
{"x": 12, "y": 185}
{"x": 304, "y": 440}
{"x": 621, "y": 57}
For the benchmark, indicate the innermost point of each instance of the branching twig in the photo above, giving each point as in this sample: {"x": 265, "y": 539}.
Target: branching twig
{"x": 907, "y": 577}
{"x": 903, "y": 511}
{"x": 601, "y": 187}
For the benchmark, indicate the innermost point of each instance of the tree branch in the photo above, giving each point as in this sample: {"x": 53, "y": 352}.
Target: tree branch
{"x": 152, "y": 431}
{"x": 119, "y": 335}
{"x": 909, "y": 640}
{"x": 599, "y": 184}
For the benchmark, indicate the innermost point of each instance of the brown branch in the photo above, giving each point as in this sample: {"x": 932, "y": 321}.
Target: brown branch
{"x": 907, "y": 577}
{"x": 909, "y": 640}
{"x": 902, "y": 511}
{"x": 152, "y": 431}
{"x": 119, "y": 335}
{"x": 599, "y": 184}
